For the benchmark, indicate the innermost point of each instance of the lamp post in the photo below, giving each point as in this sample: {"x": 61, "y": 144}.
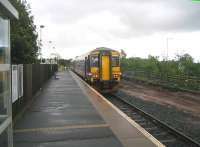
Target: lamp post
{"x": 50, "y": 42}
{"x": 40, "y": 52}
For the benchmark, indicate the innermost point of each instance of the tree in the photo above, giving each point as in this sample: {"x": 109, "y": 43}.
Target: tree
{"x": 24, "y": 47}
{"x": 186, "y": 63}
{"x": 65, "y": 62}
{"x": 123, "y": 53}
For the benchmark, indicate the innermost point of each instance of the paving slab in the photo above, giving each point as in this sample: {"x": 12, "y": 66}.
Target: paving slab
{"x": 68, "y": 113}
{"x": 127, "y": 130}
{"x": 63, "y": 116}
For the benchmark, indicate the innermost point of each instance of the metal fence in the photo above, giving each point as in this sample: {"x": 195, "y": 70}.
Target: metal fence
{"x": 182, "y": 82}
{"x": 40, "y": 74}
{"x": 28, "y": 79}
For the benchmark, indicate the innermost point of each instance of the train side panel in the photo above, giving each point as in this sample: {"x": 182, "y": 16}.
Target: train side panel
{"x": 79, "y": 68}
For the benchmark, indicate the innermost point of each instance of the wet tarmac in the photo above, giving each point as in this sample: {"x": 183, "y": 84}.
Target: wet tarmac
{"x": 68, "y": 113}
{"x": 62, "y": 116}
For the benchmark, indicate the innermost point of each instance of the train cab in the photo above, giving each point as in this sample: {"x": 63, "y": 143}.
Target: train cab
{"x": 101, "y": 67}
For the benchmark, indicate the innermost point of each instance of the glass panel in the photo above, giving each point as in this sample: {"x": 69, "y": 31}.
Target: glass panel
{"x": 4, "y": 42}
{"x": 4, "y": 139}
{"x": 115, "y": 61}
{"x": 5, "y": 97}
{"x": 94, "y": 61}
{"x": 4, "y": 91}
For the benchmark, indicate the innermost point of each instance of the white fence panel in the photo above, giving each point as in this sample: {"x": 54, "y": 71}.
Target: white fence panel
{"x": 14, "y": 83}
{"x": 20, "y": 81}
{"x": 17, "y": 82}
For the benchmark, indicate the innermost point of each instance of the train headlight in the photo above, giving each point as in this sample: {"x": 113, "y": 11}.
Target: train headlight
{"x": 116, "y": 75}
{"x": 95, "y": 75}
{"x": 89, "y": 74}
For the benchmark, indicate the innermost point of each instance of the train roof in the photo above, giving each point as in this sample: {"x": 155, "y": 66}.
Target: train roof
{"x": 82, "y": 57}
{"x": 103, "y": 49}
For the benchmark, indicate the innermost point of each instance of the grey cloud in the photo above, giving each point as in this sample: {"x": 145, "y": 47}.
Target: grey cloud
{"x": 141, "y": 17}
{"x": 179, "y": 15}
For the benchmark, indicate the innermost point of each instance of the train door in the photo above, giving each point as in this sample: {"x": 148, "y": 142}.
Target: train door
{"x": 105, "y": 67}
{"x": 87, "y": 66}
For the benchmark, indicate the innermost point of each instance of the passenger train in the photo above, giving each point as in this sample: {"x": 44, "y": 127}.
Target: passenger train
{"x": 100, "y": 67}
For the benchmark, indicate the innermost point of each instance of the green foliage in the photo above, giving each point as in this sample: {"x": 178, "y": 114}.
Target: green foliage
{"x": 24, "y": 46}
{"x": 64, "y": 62}
{"x": 180, "y": 72}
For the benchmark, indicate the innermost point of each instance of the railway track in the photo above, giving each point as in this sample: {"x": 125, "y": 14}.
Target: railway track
{"x": 169, "y": 136}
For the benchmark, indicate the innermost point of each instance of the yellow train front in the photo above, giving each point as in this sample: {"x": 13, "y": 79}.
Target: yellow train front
{"x": 100, "y": 67}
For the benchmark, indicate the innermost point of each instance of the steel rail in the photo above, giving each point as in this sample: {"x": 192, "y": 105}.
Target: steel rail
{"x": 172, "y": 131}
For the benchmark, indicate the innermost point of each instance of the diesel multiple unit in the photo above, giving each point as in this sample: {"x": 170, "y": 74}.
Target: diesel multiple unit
{"x": 100, "y": 67}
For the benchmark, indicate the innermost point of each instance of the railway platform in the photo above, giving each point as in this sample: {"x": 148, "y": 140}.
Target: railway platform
{"x": 69, "y": 113}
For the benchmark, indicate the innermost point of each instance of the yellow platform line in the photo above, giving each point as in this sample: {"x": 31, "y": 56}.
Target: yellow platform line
{"x": 61, "y": 128}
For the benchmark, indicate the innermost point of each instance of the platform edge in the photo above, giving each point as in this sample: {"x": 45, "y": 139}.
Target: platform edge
{"x": 132, "y": 122}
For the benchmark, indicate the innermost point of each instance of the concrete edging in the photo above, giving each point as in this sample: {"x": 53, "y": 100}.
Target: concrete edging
{"x": 132, "y": 122}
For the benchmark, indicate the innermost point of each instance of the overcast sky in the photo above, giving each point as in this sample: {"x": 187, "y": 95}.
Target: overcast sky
{"x": 140, "y": 27}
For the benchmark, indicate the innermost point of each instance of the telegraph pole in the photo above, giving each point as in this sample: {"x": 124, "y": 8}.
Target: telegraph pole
{"x": 40, "y": 51}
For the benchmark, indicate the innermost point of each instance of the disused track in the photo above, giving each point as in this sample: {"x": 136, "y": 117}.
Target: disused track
{"x": 160, "y": 130}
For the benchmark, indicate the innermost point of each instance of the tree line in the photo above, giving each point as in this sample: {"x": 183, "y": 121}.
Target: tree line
{"x": 24, "y": 36}
{"x": 24, "y": 46}
{"x": 182, "y": 71}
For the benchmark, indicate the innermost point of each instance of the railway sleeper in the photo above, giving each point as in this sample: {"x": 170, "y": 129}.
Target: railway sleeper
{"x": 160, "y": 135}
{"x": 147, "y": 125}
{"x": 150, "y": 128}
{"x": 129, "y": 113}
{"x": 138, "y": 117}
{"x": 164, "y": 136}
{"x": 139, "y": 120}
{"x": 168, "y": 141}
{"x": 124, "y": 108}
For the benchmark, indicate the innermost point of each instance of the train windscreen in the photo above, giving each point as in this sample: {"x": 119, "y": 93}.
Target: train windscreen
{"x": 115, "y": 61}
{"x": 94, "y": 61}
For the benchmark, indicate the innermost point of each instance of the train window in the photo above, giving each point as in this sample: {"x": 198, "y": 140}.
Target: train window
{"x": 94, "y": 61}
{"x": 115, "y": 61}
